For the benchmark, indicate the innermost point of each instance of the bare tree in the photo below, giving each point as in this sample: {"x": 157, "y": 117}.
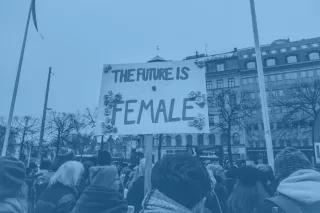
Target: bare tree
{"x": 27, "y": 128}
{"x": 61, "y": 126}
{"x": 302, "y": 103}
{"x": 83, "y": 125}
{"x": 13, "y": 135}
{"x": 232, "y": 108}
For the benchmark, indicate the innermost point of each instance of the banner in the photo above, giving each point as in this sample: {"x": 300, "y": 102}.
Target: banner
{"x": 153, "y": 98}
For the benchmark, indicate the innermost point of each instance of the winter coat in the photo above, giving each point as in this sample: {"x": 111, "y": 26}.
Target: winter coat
{"x": 102, "y": 195}
{"x": 136, "y": 194}
{"x": 57, "y": 198}
{"x": 12, "y": 205}
{"x": 96, "y": 199}
{"x": 302, "y": 188}
{"x": 156, "y": 202}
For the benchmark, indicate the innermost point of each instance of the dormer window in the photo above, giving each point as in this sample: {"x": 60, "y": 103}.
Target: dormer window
{"x": 314, "y": 56}
{"x": 220, "y": 67}
{"x": 251, "y": 65}
{"x": 292, "y": 59}
{"x": 271, "y": 62}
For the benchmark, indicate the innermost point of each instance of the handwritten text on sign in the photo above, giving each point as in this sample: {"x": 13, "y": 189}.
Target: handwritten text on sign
{"x": 152, "y": 98}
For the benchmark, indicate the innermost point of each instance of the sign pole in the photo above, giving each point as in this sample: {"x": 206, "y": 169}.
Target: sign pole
{"x": 148, "y": 166}
{"x": 262, "y": 87}
{"x": 16, "y": 84}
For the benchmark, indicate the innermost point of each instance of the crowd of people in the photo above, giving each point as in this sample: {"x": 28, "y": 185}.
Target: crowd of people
{"x": 180, "y": 183}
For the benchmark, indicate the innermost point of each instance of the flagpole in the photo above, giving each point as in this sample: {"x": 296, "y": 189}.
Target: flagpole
{"x": 44, "y": 113}
{"x": 16, "y": 84}
{"x": 262, "y": 87}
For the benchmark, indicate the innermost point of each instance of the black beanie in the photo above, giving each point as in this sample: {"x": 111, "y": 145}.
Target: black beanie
{"x": 12, "y": 177}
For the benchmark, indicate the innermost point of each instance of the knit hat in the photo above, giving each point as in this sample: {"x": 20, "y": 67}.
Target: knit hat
{"x": 12, "y": 176}
{"x": 290, "y": 160}
{"x": 103, "y": 176}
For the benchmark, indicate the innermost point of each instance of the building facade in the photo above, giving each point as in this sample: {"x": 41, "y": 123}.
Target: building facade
{"x": 285, "y": 62}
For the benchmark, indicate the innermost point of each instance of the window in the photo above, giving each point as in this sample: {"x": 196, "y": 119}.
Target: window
{"x": 279, "y": 77}
{"x": 292, "y": 59}
{"x": 209, "y": 85}
{"x": 270, "y": 62}
{"x": 200, "y": 140}
{"x": 178, "y": 140}
{"x": 304, "y": 46}
{"x": 219, "y": 83}
{"x": 236, "y": 139}
{"x": 220, "y": 67}
{"x": 293, "y": 48}
{"x": 291, "y": 76}
{"x": 212, "y": 139}
{"x": 310, "y": 74}
{"x": 252, "y": 95}
{"x": 303, "y": 74}
{"x": 224, "y": 139}
{"x": 168, "y": 140}
{"x": 273, "y": 51}
{"x": 314, "y": 56}
{"x": 245, "y": 81}
{"x": 231, "y": 82}
{"x": 245, "y": 56}
{"x": 283, "y": 50}
{"x": 251, "y": 65}
{"x": 189, "y": 140}
{"x": 315, "y": 45}
{"x": 272, "y": 78}
{"x": 211, "y": 119}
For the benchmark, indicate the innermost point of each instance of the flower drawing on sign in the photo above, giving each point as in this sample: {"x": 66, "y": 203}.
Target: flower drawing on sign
{"x": 198, "y": 122}
{"x": 107, "y": 68}
{"x": 109, "y": 128}
{"x": 110, "y": 101}
{"x": 200, "y": 99}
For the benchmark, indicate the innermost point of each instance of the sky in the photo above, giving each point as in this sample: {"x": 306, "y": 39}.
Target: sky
{"x": 76, "y": 37}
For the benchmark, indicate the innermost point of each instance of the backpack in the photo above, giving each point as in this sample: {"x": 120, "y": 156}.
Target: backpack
{"x": 283, "y": 204}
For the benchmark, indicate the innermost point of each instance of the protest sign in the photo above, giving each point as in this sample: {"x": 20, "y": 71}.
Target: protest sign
{"x": 153, "y": 98}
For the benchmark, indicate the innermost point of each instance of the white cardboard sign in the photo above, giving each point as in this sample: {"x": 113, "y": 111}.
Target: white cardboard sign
{"x": 153, "y": 98}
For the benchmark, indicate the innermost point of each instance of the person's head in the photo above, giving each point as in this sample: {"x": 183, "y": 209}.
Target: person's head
{"x": 104, "y": 158}
{"x": 12, "y": 177}
{"x": 249, "y": 192}
{"x": 105, "y": 176}
{"x": 268, "y": 179}
{"x": 69, "y": 174}
{"x": 288, "y": 161}
{"x": 182, "y": 178}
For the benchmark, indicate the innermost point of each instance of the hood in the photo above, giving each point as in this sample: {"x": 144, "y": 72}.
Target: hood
{"x": 103, "y": 176}
{"x": 156, "y": 202}
{"x": 302, "y": 186}
{"x": 100, "y": 200}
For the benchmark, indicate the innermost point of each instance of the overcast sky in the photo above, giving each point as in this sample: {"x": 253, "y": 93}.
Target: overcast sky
{"x": 82, "y": 35}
